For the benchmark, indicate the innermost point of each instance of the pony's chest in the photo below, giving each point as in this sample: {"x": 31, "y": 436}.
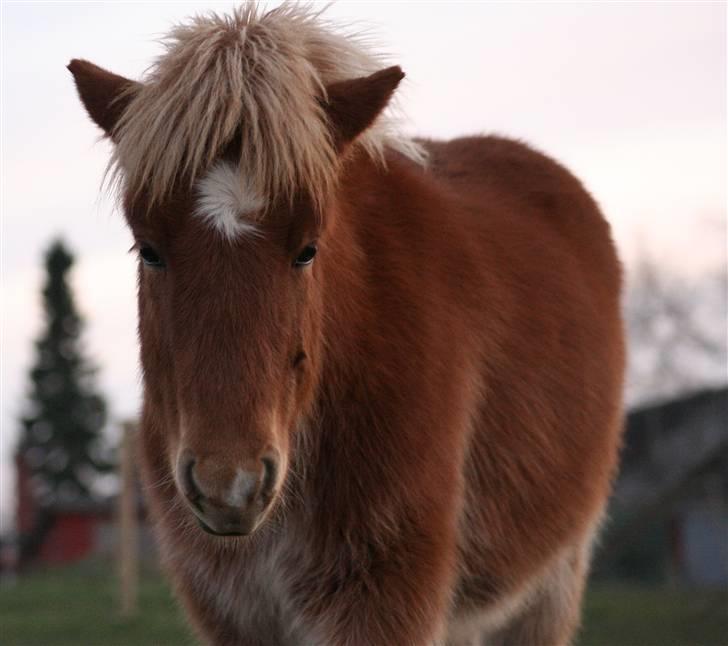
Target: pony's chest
{"x": 251, "y": 593}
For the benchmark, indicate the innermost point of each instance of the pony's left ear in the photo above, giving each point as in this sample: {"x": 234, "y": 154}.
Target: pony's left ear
{"x": 104, "y": 95}
{"x": 352, "y": 106}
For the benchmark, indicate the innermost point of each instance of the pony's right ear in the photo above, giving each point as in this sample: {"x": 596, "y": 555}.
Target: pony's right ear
{"x": 104, "y": 95}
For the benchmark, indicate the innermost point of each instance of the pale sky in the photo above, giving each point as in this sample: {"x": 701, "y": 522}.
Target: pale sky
{"x": 630, "y": 96}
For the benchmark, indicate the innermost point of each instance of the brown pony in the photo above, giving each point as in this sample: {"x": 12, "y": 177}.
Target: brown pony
{"x": 382, "y": 378}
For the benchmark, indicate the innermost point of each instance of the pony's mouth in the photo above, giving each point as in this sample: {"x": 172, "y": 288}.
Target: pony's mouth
{"x": 206, "y": 528}
{"x": 222, "y": 526}
{"x": 226, "y": 521}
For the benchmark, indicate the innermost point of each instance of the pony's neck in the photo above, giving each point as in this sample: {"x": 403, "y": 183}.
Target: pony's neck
{"x": 365, "y": 264}
{"x": 358, "y": 259}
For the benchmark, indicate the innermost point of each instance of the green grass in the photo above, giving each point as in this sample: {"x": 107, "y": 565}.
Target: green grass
{"x": 634, "y": 616}
{"x": 78, "y": 606}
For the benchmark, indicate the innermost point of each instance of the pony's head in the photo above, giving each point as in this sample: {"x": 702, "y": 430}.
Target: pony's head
{"x": 228, "y": 156}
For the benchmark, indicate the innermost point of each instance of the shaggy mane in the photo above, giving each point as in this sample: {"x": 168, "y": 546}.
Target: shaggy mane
{"x": 251, "y": 75}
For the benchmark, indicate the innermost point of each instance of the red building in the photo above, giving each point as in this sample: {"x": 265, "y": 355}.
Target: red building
{"x": 66, "y": 532}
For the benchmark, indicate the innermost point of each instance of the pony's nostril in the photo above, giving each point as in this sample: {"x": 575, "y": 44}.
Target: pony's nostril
{"x": 189, "y": 486}
{"x": 270, "y": 474}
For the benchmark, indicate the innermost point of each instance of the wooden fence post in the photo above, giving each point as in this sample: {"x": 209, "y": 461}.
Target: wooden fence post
{"x": 128, "y": 524}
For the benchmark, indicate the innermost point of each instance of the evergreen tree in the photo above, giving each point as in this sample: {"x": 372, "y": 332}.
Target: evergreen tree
{"x": 61, "y": 438}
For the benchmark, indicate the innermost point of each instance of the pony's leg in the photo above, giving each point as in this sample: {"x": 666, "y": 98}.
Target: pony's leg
{"x": 400, "y": 600}
{"x": 551, "y": 616}
{"x": 384, "y": 616}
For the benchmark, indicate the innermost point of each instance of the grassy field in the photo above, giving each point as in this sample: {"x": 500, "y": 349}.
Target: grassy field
{"x": 78, "y": 607}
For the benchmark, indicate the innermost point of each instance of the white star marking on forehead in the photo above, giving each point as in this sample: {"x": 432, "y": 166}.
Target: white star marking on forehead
{"x": 224, "y": 200}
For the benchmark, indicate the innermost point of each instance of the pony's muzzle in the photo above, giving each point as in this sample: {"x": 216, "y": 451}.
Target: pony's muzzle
{"x": 227, "y": 502}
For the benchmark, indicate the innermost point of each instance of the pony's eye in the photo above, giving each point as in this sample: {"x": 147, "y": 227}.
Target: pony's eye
{"x": 306, "y": 256}
{"x": 150, "y": 257}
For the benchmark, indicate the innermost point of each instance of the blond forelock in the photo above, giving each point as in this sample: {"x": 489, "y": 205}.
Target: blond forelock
{"x": 255, "y": 76}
